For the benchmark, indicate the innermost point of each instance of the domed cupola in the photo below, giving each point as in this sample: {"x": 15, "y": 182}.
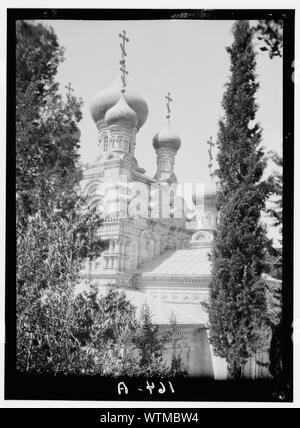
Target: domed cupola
{"x": 166, "y": 144}
{"x": 118, "y": 114}
{"x": 167, "y": 138}
{"x": 121, "y": 114}
{"x": 106, "y": 99}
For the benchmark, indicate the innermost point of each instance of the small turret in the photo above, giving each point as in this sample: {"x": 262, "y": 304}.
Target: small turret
{"x": 166, "y": 144}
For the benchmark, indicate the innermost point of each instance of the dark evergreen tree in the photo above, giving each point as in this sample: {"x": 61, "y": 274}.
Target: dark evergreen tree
{"x": 47, "y": 138}
{"x": 55, "y": 232}
{"x": 149, "y": 344}
{"x": 237, "y": 305}
{"x": 270, "y": 32}
{"x": 275, "y": 314}
{"x": 275, "y": 211}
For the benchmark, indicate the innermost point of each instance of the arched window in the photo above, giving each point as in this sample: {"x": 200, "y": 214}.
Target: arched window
{"x": 105, "y": 144}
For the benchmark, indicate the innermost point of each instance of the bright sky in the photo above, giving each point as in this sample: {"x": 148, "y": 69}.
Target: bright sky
{"x": 187, "y": 58}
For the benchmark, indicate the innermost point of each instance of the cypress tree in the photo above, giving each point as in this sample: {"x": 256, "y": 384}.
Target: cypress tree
{"x": 237, "y": 305}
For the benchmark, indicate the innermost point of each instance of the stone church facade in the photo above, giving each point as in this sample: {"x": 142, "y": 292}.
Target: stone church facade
{"x": 158, "y": 245}
{"x": 158, "y": 250}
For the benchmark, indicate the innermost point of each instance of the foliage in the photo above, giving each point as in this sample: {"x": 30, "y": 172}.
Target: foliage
{"x": 146, "y": 340}
{"x": 55, "y": 231}
{"x": 50, "y": 254}
{"x": 104, "y": 326}
{"x": 274, "y": 300}
{"x": 59, "y": 331}
{"x": 271, "y": 33}
{"x": 275, "y": 312}
{"x": 62, "y": 332}
{"x": 150, "y": 344}
{"x": 276, "y": 181}
{"x": 276, "y": 353}
{"x": 47, "y": 145}
{"x": 275, "y": 211}
{"x": 237, "y": 305}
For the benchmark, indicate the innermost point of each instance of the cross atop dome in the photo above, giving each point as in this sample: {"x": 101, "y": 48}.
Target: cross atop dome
{"x": 169, "y": 100}
{"x": 166, "y": 144}
{"x": 211, "y": 145}
{"x": 123, "y": 70}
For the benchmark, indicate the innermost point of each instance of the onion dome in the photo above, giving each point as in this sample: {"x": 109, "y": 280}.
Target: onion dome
{"x": 167, "y": 138}
{"x": 121, "y": 114}
{"x": 108, "y": 97}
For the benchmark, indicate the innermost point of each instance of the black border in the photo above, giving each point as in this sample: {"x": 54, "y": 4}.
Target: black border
{"x": 19, "y": 386}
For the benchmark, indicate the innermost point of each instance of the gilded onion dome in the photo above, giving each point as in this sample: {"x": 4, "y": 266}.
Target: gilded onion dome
{"x": 107, "y": 98}
{"x": 167, "y": 138}
{"x": 121, "y": 114}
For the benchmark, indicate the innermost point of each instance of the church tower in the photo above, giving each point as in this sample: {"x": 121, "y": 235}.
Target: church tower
{"x": 137, "y": 226}
{"x": 166, "y": 144}
{"x": 119, "y": 114}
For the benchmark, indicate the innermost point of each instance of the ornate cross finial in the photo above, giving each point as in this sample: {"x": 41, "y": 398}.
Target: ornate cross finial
{"x": 69, "y": 89}
{"x": 169, "y": 100}
{"x": 123, "y": 70}
{"x": 211, "y": 144}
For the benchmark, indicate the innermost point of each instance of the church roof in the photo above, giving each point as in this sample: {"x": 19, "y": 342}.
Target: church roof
{"x": 187, "y": 262}
{"x": 167, "y": 138}
{"x": 108, "y": 97}
{"x": 121, "y": 114}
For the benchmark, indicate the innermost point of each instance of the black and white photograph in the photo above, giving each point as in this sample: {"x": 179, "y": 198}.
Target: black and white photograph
{"x": 149, "y": 205}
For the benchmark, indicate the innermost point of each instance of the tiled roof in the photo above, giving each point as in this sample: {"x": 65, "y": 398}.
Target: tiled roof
{"x": 187, "y": 262}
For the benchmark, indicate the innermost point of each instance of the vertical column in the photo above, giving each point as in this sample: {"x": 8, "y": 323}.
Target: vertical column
{"x": 105, "y": 258}
{"x": 125, "y": 250}
{"x": 111, "y": 247}
{"x": 110, "y": 262}
{"x": 116, "y": 263}
{"x": 110, "y": 255}
{"x": 117, "y": 247}
{"x": 122, "y": 255}
{"x": 117, "y": 255}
